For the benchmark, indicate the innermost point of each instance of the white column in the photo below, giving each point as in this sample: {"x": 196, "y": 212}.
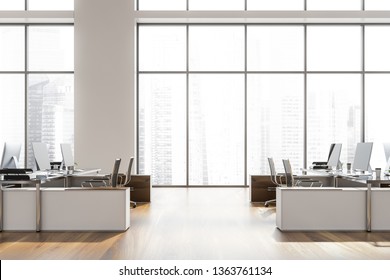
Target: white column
{"x": 104, "y": 82}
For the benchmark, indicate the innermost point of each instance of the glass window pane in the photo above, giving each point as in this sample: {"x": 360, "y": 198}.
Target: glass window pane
{"x": 51, "y": 48}
{"x": 377, "y": 48}
{"x": 12, "y": 111}
{"x": 11, "y": 48}
{"x": 377, "y": 105}
{"x": 216, "y": 48}
{"x": 216, "y": 136}
{"x": 50, "y": 112}
{"x": 334, "y": 5}
{"x": 334, "y": 48}
{"x": 162, "y": 128}
{"x": 11, "y": 5}
{"x": 162, "y": 5}
{"x": 57, "y": 5}
{"x": 280, "y": 5}
{"x": 275, "y": 121}
{"x": 272, "y": 48}
{"x": 162, "y": 48}
{"x": 216, "y": 4}
{"x": 333, "y": 115}
{"x": 377, "y": 5}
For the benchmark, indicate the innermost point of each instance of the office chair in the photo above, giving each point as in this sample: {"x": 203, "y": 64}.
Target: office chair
{"x": 274, "y": 180}
{"x": 288, "y": 173}
{"x": 290, "y": 181}
{"x": 133, "y": 204}
{"x": 106, "y": 181}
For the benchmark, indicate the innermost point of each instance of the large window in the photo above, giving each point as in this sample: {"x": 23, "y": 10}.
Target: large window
{"x": 334, "y": 108}
{"x": 339, "y": 5}
{"x": 334, "y": 100}
{"x": 216, "y": 129}
{"x": 36, "y": 87}
{"x": 9, "y": 5}
{"x": 216, "y": 100}
{"x": 41, "y": 5}
{"x": 377, "y": 86}
{"x": 259, "y": 5}
{"x": 51, "y": 5}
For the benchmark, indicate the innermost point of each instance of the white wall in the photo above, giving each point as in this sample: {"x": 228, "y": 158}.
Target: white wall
{"x": 104, "y": 83}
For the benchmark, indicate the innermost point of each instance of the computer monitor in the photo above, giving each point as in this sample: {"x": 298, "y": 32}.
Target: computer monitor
{"x": 334, "y": 155}
{"x": 11, "y": 154}
{"x": 41, "y": 155}
{"x": 361, "y": 162}
{"x": 67, "y": 155}
{"x": 386, "y": 146}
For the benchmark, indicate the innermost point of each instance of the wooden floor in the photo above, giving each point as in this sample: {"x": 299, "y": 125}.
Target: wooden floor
{"x": 197, "y": 223}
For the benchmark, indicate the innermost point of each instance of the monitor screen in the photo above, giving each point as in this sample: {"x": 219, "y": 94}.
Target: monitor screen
{"x": 41, "y": 155}
{"x": 67, "y": 155}
{"x": 334, "y": 155}
{"x": 330, "y": 150}
{"x": 386, "y": 146}
{"x": 361, "y": 162}
{"x": 11, "y": 154}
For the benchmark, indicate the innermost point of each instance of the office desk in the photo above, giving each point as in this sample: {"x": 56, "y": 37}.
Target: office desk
{"x": 301, "y": 208}
{"x": 373, "y": 199}
{"x": 338, "y": 208}
{"x": 62, "y": 208}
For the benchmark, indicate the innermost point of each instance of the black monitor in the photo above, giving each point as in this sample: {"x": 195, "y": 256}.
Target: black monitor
{"x": 11, "y": 154}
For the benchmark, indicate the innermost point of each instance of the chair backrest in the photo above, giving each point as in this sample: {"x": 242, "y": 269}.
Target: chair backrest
{"x": 288, "y": 172}
{"x": 115, "y": 171}
{"x": 272, "y": 170}
{"x": 128, "y": 174}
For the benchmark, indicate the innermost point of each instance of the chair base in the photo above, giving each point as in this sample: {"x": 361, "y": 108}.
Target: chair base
{"x": 266, "y": 204}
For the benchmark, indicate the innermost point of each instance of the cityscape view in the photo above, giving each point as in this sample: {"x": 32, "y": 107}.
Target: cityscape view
{"x": 215, "y": 120}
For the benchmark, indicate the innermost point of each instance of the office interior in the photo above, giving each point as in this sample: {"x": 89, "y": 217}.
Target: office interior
{"x": 241, "y": 81}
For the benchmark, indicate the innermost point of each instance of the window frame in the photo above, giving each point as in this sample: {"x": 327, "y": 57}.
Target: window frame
{"x": 305, "y": 72}
{"x": 26, "y": 73}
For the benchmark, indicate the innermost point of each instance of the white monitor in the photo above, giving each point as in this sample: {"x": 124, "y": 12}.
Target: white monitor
{"x": 11, "y": 154}
{"x": 386, "y": 146}
{"x": 41, "y": 155}
{"x": 361, "y": 162}
{"x": 334, "y": 155}
{"x": 67, "y": 155}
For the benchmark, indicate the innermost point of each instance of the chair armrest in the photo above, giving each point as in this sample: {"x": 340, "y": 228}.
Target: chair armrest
{"x": 280, "y": 176}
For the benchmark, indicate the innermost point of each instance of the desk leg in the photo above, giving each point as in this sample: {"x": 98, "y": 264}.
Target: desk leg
{"x": 38, "y": 205}
{"x": 368, "y": 204}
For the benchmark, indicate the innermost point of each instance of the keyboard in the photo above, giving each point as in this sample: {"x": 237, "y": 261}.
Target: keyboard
{"x": 320, "y": 167}
{"x": 18, "y": 177}
{"x": 15, "y": 171}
